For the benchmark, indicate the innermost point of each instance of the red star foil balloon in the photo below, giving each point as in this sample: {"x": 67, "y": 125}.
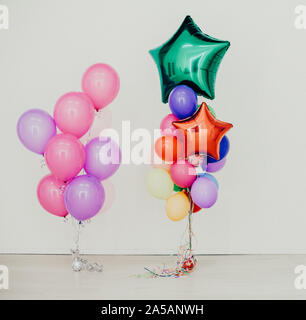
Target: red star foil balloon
{"x": 203, "y": 132}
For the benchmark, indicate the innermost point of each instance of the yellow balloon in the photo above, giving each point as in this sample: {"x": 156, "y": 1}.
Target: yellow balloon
{"x": 177, "y": 206}
{"x": 159, "y": 183}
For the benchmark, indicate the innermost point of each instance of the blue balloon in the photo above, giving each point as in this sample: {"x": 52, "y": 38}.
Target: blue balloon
{"x": 210, "y": 177}
{"x": 183, "y": 101}
{"x": 224, "y": 149}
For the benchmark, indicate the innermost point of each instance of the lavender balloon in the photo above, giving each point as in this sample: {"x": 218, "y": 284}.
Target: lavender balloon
{"x": 183, "y": 102}
{"x": 204, "y": 192}
{"x": 215, "y": 166}
{"x": 84, "y": 197}
{"x": 103, "y": 157}
{"x": 35, "y": 128}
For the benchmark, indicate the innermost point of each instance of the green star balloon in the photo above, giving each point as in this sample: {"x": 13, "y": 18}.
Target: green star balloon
{"x": 190, "y": 57}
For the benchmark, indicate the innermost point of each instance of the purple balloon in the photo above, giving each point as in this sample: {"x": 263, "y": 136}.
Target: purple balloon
{"x": 215, "y": 166}
{"x": 84, "y": 197}
{"x": 103, "y": 157}
{"x": 35, "y": 128}
{"x": 204, "y": 192}
{"x": 183, "y": 102}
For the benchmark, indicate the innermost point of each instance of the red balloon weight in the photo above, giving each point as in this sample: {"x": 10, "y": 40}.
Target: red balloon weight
{"x": 188, "y": 265}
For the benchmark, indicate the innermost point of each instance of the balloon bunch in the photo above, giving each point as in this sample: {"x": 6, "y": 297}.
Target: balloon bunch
{"x": 64, "y": 190}
{"x": 193, "y": 143}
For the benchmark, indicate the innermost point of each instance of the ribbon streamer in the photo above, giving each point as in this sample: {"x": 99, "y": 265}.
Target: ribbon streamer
{"x": 186, "y": 262}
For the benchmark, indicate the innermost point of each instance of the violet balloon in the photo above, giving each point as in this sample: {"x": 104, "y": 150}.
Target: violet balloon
{"x": 204, "y": 192}
{"x": 103, "y": 157}
{"x": 183, "y": 101}
{"x": 35, "y": 128}
{"x": 216, "y": 166}
{"x": 84, "y": 197}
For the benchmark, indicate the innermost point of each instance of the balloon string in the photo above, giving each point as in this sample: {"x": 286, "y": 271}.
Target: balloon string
{"x": 78, "y": 263}
{"x": 189, "y": 219}
{"x": 42, "y": 162}
{"x": 186, "y": 261}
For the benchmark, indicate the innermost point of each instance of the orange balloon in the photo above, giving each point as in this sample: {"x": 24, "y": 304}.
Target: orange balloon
{"x": 203, "y": 132}
{"x": 177, "y": 206}
{"x": 169, "y": 148}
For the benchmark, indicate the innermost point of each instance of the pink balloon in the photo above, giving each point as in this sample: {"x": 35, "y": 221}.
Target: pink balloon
{"x": 166, "y": 126}
{"x": 183, "y": 174}
{"x": 65, "y": 156}
{"x": 101, "y": 83}
{"x": 74, "y": 113}
{"x": 50, "y": 193}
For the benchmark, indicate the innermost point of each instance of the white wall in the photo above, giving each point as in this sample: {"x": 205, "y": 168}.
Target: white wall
{"x": 260, "y": 89}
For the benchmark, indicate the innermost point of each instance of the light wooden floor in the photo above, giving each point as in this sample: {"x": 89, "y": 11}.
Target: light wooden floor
{"x": 217, "y": 277}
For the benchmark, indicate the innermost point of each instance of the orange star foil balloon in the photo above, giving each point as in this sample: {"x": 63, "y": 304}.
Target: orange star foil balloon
{"x": 203, "y": 132}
